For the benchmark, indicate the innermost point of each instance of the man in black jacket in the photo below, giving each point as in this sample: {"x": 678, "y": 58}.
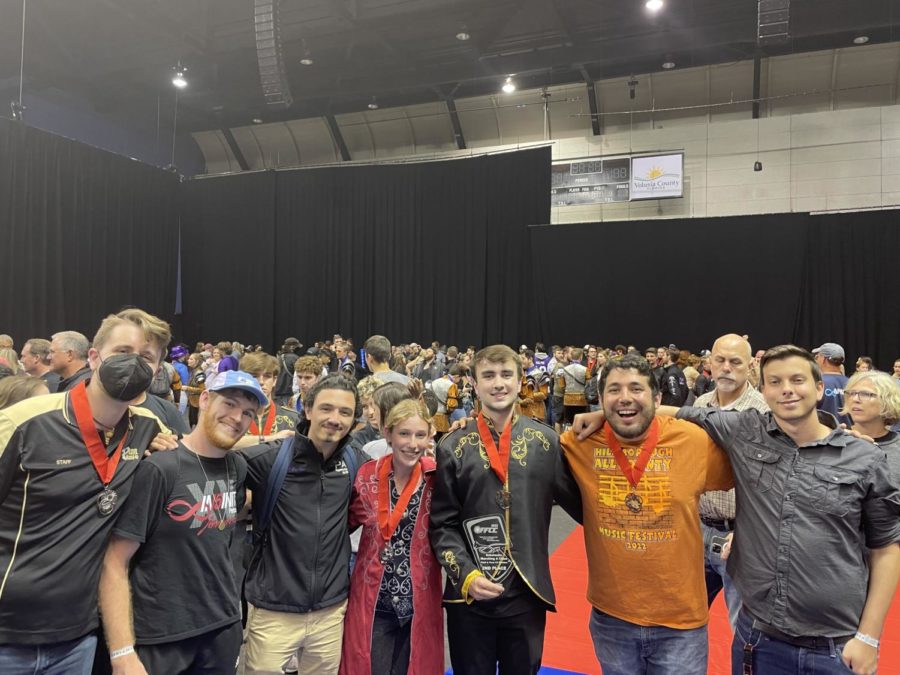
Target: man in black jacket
{"x": 297, "y": 581}
{"x": 673, "y": 384}
{"x": 286, "y": 360}
{"x": 495, "y": 484}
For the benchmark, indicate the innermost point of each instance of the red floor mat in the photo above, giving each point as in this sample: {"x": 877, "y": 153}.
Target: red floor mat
{"x": 567, "y": 645}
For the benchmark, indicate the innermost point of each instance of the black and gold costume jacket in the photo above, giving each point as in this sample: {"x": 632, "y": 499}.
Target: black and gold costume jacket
{"x": 476, "y": 528}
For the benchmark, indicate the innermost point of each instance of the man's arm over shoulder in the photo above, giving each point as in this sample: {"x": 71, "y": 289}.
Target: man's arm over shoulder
{"x": 260, "y": 460}
{"x": 721, "y": 425}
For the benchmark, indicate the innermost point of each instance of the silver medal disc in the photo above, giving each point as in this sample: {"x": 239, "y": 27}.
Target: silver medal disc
{"x": 106, "y": 501}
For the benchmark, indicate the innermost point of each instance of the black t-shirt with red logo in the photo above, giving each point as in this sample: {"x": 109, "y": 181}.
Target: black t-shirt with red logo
{"x": 183, "y": 509}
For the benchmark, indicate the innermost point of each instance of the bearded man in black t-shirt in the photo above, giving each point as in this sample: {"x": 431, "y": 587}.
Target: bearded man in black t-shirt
{"x": 168, "y": 564}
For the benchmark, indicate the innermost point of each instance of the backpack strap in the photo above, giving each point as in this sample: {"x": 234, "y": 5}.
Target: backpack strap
{"x": 273, "y": 489}
{"x": 349, "y": 457}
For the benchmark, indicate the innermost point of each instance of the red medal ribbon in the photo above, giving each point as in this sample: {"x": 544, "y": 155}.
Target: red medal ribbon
{"x": 267, "y": 426}
{"x": 389, "y": 519}
{"x": 633, "y": 474}
{"x": 103, "y": 463}
{"x": 499, "y": 459}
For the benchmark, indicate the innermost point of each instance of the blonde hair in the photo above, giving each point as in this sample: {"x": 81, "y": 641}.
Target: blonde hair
{"x": 155, "y": 329}
{"x": 691, "y": 374}
{"x": 259, "y": 363}
{"x": 405, "y": 410}
{"x": 888, "y": 394}
{"x": 367, "y": 386}
{"x": 308, "y": 364}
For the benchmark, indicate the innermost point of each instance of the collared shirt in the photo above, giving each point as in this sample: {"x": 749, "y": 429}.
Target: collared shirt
{"x": 52, "y": 535}
{"x": 805, "y": 515}
{"x": 719, "y": 504}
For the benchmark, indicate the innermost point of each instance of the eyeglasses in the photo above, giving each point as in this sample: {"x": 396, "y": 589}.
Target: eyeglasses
{"x": 861, "y": 395}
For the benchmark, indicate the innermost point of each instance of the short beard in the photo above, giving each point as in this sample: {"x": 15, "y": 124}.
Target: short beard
{"x": 729, "y": 385}
{"x": 216, "y": 437}
{"x": 628, "y": 433}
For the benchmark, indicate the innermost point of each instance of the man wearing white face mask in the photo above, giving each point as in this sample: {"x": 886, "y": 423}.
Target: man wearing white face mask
{"x": 66, "y": 464}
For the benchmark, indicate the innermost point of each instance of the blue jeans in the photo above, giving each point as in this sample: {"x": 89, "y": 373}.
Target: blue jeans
{"x": 75, "y": 657}
{"x": 624, "y": 648}
{"x": 717, "y": 577}
{"x": 774, "y": 657}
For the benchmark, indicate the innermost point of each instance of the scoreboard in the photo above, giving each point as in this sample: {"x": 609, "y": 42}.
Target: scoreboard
{"x": 592, "y": 181}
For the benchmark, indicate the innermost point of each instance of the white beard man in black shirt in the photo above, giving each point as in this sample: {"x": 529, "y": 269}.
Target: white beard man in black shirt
{"x": 176, "y": 529}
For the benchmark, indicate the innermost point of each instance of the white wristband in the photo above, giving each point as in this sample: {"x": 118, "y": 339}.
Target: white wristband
{"x": 119, "y": 653}
{"x": 867, "y": 639}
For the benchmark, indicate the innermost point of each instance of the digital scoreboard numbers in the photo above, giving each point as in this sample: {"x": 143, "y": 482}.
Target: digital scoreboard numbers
{"x": 594, "y": 181}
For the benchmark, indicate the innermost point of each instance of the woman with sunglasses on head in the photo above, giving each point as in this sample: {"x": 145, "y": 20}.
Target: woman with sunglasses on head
{"x": 394, "y": 622}
{"x": 872, "y": 399}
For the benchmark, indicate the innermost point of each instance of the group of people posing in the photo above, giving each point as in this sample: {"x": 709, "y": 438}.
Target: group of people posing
{"x": 127, "y": 545}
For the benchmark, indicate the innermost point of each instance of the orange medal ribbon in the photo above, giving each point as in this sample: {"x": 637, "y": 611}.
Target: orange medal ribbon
{"x": 388, "y": 518}
{"x": 267, "y": 425}
{"x": 499, "y": 458}
{"x": 103, "y": 463}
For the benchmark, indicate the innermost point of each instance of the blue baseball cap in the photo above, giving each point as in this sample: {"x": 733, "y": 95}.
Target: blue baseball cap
{"x": 237, "y": 379}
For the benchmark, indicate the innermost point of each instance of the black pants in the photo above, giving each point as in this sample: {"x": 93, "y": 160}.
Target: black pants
{"x": 213, "y": 653}
{"x": 390, "y": 645}
{"x": 479, "y": 644}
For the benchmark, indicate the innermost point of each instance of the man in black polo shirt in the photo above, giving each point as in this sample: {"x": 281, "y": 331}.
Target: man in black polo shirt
{"x": 298, "y": 579}
{"x": 66, "y": 464}
{"x": 175, "y": 533}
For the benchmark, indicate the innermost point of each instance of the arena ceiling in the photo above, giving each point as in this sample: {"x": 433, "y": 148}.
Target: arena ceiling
{"x": 116, "y": 56}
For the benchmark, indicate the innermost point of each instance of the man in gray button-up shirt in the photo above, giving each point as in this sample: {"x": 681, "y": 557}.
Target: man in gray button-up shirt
{"x": 809, "y": 499}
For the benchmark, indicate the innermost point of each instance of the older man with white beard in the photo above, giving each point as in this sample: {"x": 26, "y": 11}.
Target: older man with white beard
{"x": 729, "y": 364}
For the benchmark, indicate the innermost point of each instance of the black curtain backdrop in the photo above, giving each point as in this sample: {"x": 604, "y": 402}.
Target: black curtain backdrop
{"x": 777, "y": 278}
{"x": 850, "y": 292}
{"x": 228, "y": 253}
{"x": 439, "y": 250}
{"x": 413, "y": 251}
{"x": 85, "y": 233}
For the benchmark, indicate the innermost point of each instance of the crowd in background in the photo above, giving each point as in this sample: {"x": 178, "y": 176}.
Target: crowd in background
{"x": 378, "y": 602}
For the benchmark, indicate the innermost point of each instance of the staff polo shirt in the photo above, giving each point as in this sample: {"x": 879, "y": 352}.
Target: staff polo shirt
{"x": 52, "y": 536}
{"x": 804, "y": 517}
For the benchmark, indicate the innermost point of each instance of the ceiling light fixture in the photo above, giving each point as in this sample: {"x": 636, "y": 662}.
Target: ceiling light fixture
{"x": 654, "y": 5}
{"x": 462, "y": 36}
{"x": 509, "y": 86}
{"x": 257, "y": 120}
{"x": 668, "y": 65}
{"x": 306, "y": 61}
{"x": 373, "y": 104}
{"x": 861, "y": 40}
